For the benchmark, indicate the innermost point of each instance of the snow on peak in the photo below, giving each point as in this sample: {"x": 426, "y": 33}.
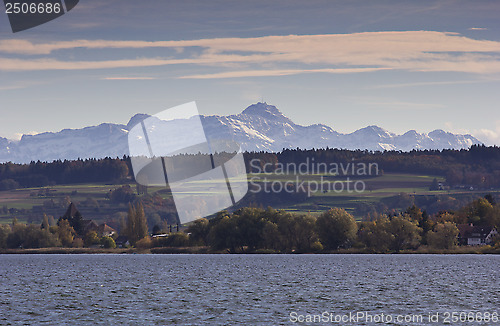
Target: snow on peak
{"x": 265, "y": 111}
{"x": 260, "y": 126}
{"x": 373, "y": 131}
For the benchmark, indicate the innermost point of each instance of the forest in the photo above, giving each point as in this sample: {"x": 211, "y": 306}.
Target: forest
{"x": 478, "y": 166}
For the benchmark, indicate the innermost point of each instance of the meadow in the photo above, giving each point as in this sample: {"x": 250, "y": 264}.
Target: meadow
{"x": 93, "y": 199}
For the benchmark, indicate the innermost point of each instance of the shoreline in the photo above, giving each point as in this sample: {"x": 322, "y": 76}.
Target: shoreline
{"x": 207, "y": 250}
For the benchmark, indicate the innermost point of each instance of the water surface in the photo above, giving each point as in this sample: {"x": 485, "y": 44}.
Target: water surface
{"x": 240, "y": 289}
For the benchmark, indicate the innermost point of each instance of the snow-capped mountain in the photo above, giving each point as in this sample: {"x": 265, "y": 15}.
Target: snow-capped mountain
{"x": 263, "y": 127}
{"x": 260, "y": 127}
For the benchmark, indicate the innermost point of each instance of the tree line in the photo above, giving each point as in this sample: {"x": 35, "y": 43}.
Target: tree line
{"x": 478, "y": 166}
{"x": 69, "y": 231}
{"x": 41, "y": 174}
{"x": 252, "y": 229}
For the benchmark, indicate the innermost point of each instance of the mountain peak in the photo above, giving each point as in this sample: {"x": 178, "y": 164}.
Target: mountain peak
{"x": 373, "y": 131}
{"x": 261, "y": 127}
{"x": 265, "y": 111}
{"x": 136, "y": 119}
{"x": 411, "y": 133}
{"x": 440, "y": 132}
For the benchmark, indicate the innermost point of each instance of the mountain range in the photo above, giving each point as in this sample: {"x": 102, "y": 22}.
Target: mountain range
{"x": 260, "y": 127}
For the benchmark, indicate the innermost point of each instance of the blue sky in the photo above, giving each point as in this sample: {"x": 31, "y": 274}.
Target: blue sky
{"x": 401, "y": 65}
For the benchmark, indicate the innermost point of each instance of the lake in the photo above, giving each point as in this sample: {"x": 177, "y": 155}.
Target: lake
{"x": 249, "y": 289}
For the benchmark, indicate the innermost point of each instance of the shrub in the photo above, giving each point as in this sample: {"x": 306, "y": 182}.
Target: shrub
{"x": 316, "y": 246}
{"x": 144, "y": 243}
{"x": 77, "y": 243}
{"x": 91, "y": 238}
{"x": 179, "y": 239}
{"x": 108, "y": 242}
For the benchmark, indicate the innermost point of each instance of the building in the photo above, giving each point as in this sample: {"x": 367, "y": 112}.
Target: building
{"x": 104, "y": 230}
{"x": 122, "y": 241}
{"x": 471, "y": 235}
{"x": 87, "y": 226}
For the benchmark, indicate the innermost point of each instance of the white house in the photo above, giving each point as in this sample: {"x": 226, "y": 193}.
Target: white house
{"x": 471, "y": 235}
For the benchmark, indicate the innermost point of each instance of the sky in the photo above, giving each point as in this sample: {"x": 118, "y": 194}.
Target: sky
{"x": 401, "y": 65}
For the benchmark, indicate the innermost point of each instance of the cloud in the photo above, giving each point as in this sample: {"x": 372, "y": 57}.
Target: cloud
{"x": 18, "y": 136}
{"x": 283, "y": 72}
{"x": 432, "y": 83}
{"x": 488, "y": 136}
{"x": 460, "y": 131}
{"x": 409, "y": 50}
{"x": 477, "y": 29}
{"x": 8, "y": 64}
{"x": 11, "y": 87}
{"x": 19, "y": 85}
{"x": 128, "y": 78}
{"x": 402, "y": 105}
{"x": 85, "y": 25}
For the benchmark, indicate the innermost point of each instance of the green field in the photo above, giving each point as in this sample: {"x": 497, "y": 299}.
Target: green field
{"x": 33, "y": 202}
{"x": 377, "y": 189}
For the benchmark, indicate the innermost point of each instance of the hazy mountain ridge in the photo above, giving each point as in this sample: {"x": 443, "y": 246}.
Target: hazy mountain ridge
{"x": 259, "y": 127}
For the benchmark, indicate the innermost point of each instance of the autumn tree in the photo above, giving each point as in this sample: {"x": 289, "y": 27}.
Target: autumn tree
{"x": 45, "y": 222}
{"x": 16, "y": 237}
{"x": 223, "y": 232}
{"x": 376, "y": 235}
{"x": 249, "y": 223}
{"x": 479, "y": 212}
{"x": 390, "y": 233}
{"x": 66, "y": 233}
{"x": 271, "y": 236}
{"x": 4, "y": 233}
{"x": 446, "y": 216}
{"x": 199, "y": 230}
{"x": 123, "y": 194}
{"x": 406, "y": 233}
{"x": 137, "y": 225}
{"x": 91, "y": 238}
{"x": 426, "y": 224}
{"x": 141, "y": 221}
{"x": 74, "y": 218}
{"x": 444, "y": 236}
{"x": 297, "y": 232}
{"x": 414, "y": 213}
{"x": 336, "y": 228}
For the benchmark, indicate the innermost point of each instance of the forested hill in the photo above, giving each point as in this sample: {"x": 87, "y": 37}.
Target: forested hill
{"x": 478, "y": 166}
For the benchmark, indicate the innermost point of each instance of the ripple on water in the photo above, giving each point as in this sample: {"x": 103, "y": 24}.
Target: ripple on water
{"x": 237, "y": 289}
